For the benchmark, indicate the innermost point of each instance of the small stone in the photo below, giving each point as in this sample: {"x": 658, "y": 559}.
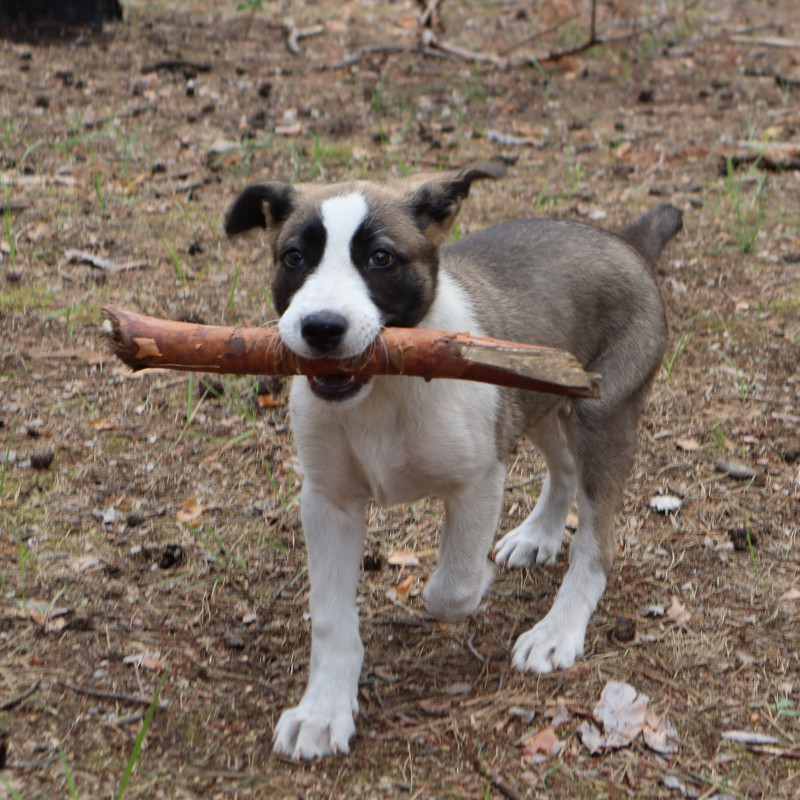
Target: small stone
{"x": 42, "y": 459}
{"x": 739, "y": 538}
{"x": 737, "y": 470}
{"x": 623, "y": 629}
{"x": 171, "y": 555}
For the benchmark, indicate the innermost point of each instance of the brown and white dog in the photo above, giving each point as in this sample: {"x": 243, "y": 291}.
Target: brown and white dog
{"x": 354, "y": 257}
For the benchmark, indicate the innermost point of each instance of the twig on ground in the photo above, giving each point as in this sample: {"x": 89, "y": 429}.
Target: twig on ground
{"x": 483, "y": 769}
{"x": 471, "y": 648}
{"x": 174, "y": 64}
{"x": 355, "y": 57}
{"x": 538, "y": 35}
{"x": 294, "y": 34}
{"x": 15, "y": 701}
{"x": 427, "y": 19}
{"x": 116, "y": 696}
{"x": 767, "y": 41}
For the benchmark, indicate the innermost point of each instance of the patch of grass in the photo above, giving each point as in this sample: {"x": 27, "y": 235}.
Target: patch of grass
{"x": 173, "y": 254}
{"x": 718, "y": 435}
{"x": 748, "y": 204}
{"x": 137, "y": 745}
{"x": 24, "y": 298}
{"x": 745, "y": 388}
{"x": 97, "y": 184}
{"x": 12, "y": 792}
{"x": 73, "y": 792}
{"x": 751, "y": 549}
{"x": 670, "y": 361}
{"x": 11, "y": 237}
{"x": 6, "y": 460}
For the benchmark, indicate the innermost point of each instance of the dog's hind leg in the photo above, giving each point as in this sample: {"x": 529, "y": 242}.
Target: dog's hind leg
{"x": 323, "y": 722}
{"x": 604, "y": 445}
{"x": 538, "y": 538}
{"x": 465, "y": 572}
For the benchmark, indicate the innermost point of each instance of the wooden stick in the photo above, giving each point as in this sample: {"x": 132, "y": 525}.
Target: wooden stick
{"x": 141, "y": 342}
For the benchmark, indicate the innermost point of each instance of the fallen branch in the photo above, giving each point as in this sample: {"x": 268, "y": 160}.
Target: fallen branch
{"x": 117, "y": 697}
{"x": 295, "y": 34}
{"x": 142, "y": 342}
{"x": 174, "y": 64}
{"x": 15, "y": 701}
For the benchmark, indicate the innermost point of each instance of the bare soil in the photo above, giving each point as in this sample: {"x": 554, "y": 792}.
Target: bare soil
{"x": 149, "y": 528}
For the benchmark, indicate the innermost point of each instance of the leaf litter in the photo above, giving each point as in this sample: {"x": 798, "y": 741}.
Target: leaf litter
{"x": 605, "y": 140}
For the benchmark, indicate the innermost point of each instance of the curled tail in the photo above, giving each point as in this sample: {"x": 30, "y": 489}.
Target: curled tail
{"x": 649, "y": 233}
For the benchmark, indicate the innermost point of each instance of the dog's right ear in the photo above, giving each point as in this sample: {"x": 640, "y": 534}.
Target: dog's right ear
{"x": 435, "y": 203}
{"x": 261, "y": 205}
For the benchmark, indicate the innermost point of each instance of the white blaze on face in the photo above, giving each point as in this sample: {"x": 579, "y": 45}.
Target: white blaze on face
{"x": 335, "y": 285}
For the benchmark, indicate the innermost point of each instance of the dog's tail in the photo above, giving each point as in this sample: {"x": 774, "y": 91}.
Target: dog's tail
{"x": 650, "y": 233}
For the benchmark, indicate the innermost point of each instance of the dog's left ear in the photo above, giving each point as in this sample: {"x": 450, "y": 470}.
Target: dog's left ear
{"x": 261, "y": 205}
{"x": 435, "y": 203}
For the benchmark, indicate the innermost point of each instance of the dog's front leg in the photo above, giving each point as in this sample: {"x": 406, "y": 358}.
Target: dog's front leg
{"x": 323, "y": 722}
{"x": 465, "y": 572}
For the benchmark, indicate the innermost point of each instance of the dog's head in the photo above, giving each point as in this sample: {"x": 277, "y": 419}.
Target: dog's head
{"x": 353, "y": 258}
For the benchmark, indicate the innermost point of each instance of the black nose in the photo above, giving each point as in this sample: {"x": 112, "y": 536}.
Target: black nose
{"x": 323, "y": 330}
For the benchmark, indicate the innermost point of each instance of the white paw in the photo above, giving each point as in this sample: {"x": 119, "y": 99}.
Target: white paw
{"x": 551, "y": 645}
{"x": 527, "y": 544}
{"x": 319, "y": 726}
{"x": 449, "y": 599}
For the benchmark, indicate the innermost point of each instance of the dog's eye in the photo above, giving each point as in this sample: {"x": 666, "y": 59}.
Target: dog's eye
{"x": 380, "y": 259}
{"x": 293, "y": 259}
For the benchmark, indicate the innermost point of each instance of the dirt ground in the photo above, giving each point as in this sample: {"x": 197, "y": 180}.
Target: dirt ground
{"x": 149, "y": 528}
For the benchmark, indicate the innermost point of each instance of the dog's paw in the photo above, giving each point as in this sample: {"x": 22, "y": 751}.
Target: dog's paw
{"x": 317, "y": 727}
{"x": 449, "y": 599}
{"x": 527, "y": 544}
{"x": 551, "y": 645}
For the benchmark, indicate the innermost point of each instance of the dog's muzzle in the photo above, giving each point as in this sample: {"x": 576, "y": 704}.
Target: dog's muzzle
{"x": 324, "y": 332}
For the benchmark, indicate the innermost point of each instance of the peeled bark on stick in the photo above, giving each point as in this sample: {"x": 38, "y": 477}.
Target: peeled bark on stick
{"x": 141, "y": 342}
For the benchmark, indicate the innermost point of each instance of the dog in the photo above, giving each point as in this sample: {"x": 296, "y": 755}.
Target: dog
{"x": 353, "y": 258}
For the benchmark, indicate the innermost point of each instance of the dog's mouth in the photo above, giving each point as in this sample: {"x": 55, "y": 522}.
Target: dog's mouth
{"x": 336, "y": 387}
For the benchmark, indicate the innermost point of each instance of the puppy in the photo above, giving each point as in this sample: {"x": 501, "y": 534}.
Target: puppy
{"x": 352, "y": 258}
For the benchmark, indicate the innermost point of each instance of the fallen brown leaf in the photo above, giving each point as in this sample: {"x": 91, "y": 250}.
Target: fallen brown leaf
{"x": 541, "y": 745}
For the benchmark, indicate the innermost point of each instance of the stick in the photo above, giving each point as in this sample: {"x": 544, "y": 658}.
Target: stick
{"x": 15, "y": 701}
{"x": 118, "y": 697}
{"x": 141, "y": 342}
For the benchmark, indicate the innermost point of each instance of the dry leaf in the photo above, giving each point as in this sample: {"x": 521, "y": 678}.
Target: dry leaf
{"x": 688, "y": 445}
{"x": 558, "y": 714}
{"x": 660, "y": 735}
{"x": 103, "y": 424}
{"x": 749, "y": 737}
{"x": 622, "y": 710}
{"x": 792, "y": 594}
{"x": 678, "y": 613}
{"x": 541, "y": 745}
{"x": 405, "y": 586}
{"x": 38, "y": 231}
{"x": 191, "y": 512}
{"x": 152, "y": 661}
{"x": 436, "y": 707}
{"x": 402, "y": 558}
{"x": 41, "y": 612}
{"x": 83, "y": 564}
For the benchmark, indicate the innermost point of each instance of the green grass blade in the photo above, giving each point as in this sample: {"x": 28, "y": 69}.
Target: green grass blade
{"x": 137, "y": 745}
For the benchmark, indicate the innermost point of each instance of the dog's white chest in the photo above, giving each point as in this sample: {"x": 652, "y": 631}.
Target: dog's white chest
{"x": 408, "y": 439}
